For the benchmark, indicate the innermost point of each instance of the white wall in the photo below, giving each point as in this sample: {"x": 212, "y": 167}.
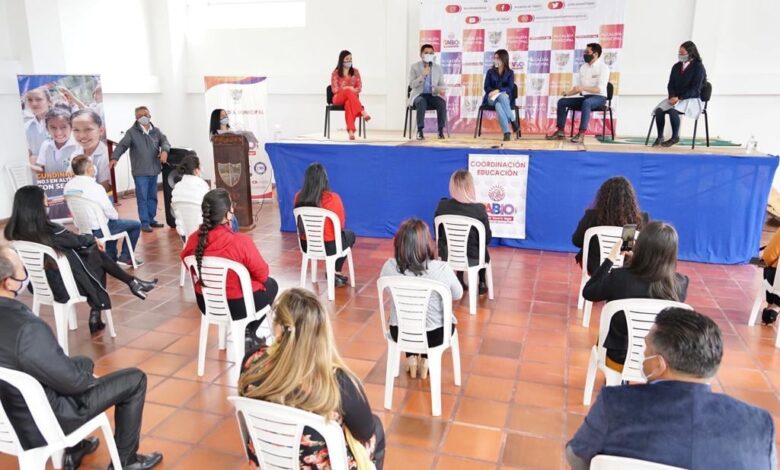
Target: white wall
{"x": 147, "y": 52}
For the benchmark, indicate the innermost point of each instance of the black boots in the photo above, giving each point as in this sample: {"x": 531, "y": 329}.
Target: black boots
{"x": 95, "y": 322}
{"x": 139, "y": 287}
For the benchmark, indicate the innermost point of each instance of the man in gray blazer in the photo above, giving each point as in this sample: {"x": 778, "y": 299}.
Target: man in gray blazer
{"x": 676, "y": 419}
{"x": 427, "y": 83}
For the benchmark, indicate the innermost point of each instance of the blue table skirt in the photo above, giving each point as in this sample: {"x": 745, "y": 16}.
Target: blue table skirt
{"x": 716, "y": 202}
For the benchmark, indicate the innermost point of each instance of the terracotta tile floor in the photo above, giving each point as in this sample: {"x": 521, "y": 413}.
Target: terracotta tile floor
{"x": 523, "y": 358}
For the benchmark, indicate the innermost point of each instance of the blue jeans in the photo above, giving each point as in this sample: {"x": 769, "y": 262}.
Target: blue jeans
{"x": 146, "y": 196}
{"x": 133, "y": 229}
{"x": 583, "y": 104}
{"x": 504, "y": 111}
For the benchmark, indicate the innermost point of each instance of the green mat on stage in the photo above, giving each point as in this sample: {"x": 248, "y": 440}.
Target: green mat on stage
{"x": 684, "y": 141}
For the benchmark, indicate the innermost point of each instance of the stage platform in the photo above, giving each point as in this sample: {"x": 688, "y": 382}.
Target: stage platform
{"x": 716, "y": 196}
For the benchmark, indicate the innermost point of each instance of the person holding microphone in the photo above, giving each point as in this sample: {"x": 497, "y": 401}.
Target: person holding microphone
{"x": 148, "y": 151}
{"x": 426, "y": 81}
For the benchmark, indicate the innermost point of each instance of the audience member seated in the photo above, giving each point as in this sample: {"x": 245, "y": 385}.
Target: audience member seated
{"x": 192, "y": 187}
{"x": 214, "y": 238}
{"x": 771, "y": 256}
{"x": 414, "y": 258}
{"x": 676, "y": 419}
{"x": 346, "y": 86}
{"x": 463, "y": 201}
{"x": 218, "y": 123}
{"x": 84, "y": 185}
{"x": 428, "y": 90}
{"x": 86, "y": 256}
{"x": 75, "y": 394}
{"x": 499, "y": 92}
{"x": 615, "y": 206}
{"x": 303, "y": 370}
{"x": 316, "y": 192}
{"x": 685, "y": 83}
{"x": 648, "y": 272}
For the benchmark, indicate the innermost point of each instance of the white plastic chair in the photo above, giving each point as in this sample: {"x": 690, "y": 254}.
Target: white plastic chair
{"x": 88, "y": 216}
{"x": 313, "y": 220}
{"x": 275, "y": 431}
{"x": 214, "y": 271}
{"x": 19, "y": 175}
{"x": 57, "y": 441}
{"x": 189, "y": 216}
{"x": 640, "y": 316}
{"x": 32, "y": 256}
{"x": 610, "y": 462}
{"x": 411, "y": 296}
{"x": 456, "y": 230}
{"x": 608, "y": 236}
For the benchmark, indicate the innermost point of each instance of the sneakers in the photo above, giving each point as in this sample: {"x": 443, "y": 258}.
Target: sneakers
{"x": 557, "y": 135}
{"x": 579, "y": 138}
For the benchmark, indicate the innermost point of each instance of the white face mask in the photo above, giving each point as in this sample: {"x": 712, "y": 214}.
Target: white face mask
{"x": 224, "y": 121}
{"x": 24, "y": 283}
{"x": 347, "y": 64}
{"x": 428, "y": 57}
{"x": 683, "y": 57}
{"x": 649, "y": 377}
{"x": 144, "y": 120}
{"x": 497, "y": 63}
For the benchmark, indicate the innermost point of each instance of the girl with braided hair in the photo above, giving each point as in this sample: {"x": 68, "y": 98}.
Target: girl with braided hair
{"x": 214, "y": 238}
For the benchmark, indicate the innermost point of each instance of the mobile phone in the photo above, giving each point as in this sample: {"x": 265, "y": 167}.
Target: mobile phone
{"x": 628, "y": 236}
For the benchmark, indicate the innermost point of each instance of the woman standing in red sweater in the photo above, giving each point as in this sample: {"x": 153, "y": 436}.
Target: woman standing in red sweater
{"x": 214, "y": 238}
{"x": 346, "y": 86}
{"x": 316, "y": 193}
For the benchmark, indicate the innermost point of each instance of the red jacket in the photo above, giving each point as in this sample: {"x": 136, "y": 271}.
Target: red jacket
{"x": 236, "y": 247}
{"x": 337, "y": 83}
{"x": 332, "y": 202}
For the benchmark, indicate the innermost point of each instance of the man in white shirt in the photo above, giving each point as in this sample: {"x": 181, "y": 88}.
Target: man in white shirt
{"x": 591, "y": 94}
{"x": 85, "y": 185}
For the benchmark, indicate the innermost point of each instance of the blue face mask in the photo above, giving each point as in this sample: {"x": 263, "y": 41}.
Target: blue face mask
{"x": 144, "y": 120}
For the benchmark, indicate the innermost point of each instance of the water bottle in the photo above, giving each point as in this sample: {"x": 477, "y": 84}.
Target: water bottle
{"x": 277, "y": 132}
{"x": 752, "y": 144}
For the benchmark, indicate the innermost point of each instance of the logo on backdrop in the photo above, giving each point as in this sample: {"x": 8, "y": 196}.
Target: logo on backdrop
{"x": 260, "y": 168}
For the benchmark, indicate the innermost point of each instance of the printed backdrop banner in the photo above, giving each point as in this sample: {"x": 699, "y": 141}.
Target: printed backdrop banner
{"x": 545, "y": 40}
{"x": 63, "y": 118}
{"x": 502, "y": 181}
{"x": 245, "y": 100}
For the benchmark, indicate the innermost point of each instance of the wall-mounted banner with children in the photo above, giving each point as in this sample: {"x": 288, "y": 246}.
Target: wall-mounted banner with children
{"x": 63, "y": 118}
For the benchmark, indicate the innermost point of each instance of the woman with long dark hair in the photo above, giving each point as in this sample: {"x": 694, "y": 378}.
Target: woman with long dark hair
{"x": 499, "y": 92}
{"x": 684, "y": 93}
{"x": 346, "y": 86}
{"x": 413, "y": 257}
{"x": 649, "y": 272}
{"x": 87, "y": 258}
{"x": 214, "y": 238}
{"x": 616, "y": 205}
{"x": 303, "y": 369}
{"x": 316, "y": 192}
{"x": 219, "y": 121}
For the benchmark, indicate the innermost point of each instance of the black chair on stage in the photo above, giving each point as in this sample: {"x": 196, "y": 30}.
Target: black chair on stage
{"x": 488, "y": 107}
{"x": 706, "y": 94}
{"x": 410, "y": 116}
{"x": 604, "y": 109}
{"x": 329, "y": 106}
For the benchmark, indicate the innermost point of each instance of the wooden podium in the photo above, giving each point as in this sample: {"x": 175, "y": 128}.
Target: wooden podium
{"x": 231, "y": 170}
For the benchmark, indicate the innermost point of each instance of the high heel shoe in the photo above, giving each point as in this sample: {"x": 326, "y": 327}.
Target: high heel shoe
{"x": 95, "y": 322}
{"x": 424, "y": 368}
{"x": 139, "y": 287}
{"x": 411, "y": 364}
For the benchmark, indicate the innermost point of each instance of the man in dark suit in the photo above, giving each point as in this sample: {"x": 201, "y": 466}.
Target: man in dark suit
{"x": 28, "y": 345}
{"x": 675, "y": 419}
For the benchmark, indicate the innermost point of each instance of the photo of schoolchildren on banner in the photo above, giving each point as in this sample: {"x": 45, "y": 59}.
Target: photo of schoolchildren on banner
{"x": 545, "y": 42}
{"x": 63, "y": 118}
{"x": 245, "y": 100}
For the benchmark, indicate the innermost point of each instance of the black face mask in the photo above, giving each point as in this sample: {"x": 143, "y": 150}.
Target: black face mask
{"x": 588, "y": 58}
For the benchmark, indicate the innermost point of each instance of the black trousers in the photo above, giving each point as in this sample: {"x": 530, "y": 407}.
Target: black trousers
{"x": 126, "y": 390}
{"x": 428, "y": 101}
{"x": 347, "y": 241}
{"x": 769, "y": 275}
{"x": 379, "y": 448}
{"x": 237, "y": 307}
{"x": 674, "y": 120}
{"x": 435, "y": 337}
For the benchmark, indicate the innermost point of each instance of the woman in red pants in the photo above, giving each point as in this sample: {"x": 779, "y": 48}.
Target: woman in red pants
{"x": 346, "y": 85}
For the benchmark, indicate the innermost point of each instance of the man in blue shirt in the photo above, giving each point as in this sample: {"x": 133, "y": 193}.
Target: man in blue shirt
{"x": 675, "y": 419}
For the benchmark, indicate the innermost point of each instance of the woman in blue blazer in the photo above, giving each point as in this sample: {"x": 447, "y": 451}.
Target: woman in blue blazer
{"x": 499, "y": 92}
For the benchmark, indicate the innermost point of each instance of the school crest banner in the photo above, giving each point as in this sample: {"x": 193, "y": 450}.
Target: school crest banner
{"x": 545, "y": 41}
{"x": 63, "y": 118}
{"x": 501, "y": 183}
{"x": 245, "y": 99}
